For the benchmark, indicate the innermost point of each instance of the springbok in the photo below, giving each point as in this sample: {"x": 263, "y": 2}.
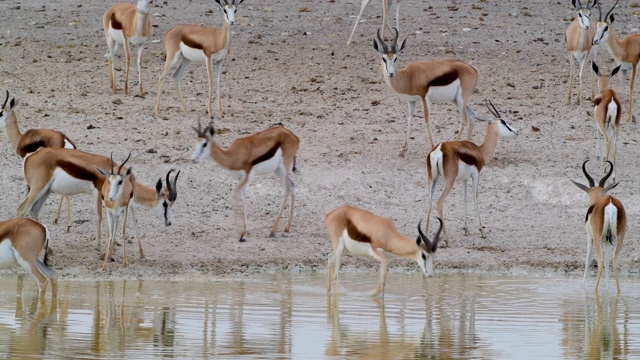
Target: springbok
{"x": 199, "y": 44}
{"x": 21, "y": 241}
{"x": 427, "y": 81}
{"x": 265, "y": 152}
{"x": 386, "y": 6}
{"x": 116, "y": 195}
{"x": 607, "y": 113}
{"x": 362, "y": 233}
{"x": 31, "y": 141}
{"x": 625, "y": 51}
{"x": 579, "y": 41}
{"x": 126, "y": 24}
{"x": 71, "y": 172}
{"x": 458, "y": 161}
{"x": 605, "y": 222}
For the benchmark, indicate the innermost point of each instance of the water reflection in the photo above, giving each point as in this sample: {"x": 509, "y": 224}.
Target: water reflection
{"x": 451, "y": 317}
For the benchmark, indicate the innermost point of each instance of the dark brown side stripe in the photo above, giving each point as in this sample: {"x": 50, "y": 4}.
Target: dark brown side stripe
{"x": 355, "y": 234}
{"x": 191, "y": 43}
{"x": 268, "y": 155}
{"x": 589, "y": 211}
{"x": 115, "y": 23}
{"x": 445, "y": 79}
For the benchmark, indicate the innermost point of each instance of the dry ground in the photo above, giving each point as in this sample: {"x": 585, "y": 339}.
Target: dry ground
{"x": 289, "y": 64}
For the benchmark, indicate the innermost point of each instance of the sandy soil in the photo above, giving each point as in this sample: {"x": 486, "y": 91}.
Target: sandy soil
{"x": 289, "y": 64}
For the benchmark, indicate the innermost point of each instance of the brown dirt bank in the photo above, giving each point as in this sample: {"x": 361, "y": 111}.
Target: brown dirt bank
{"x": 289, "y": 64}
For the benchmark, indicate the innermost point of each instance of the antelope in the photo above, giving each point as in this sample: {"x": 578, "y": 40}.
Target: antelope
{"x": 427, "y": 81}
{"x": 457, "y": 161}
{"x": 199, "y": 44}
{"x": 605, "y": 223}
{"x": 626, "y": 52}
{"x": 32, "y": 140}
{"x": 21, "y": 240}
{"x": 116, "y": 194}
{"x": 265, "y": 152}
{"x": 71, "y": 172}
{"x": 126, "y": 24}
{"x": 386, "y": 6}
{"x": 362, "y": 233}
{"x": 607, "y": 113}
{"x": 579, "y": 41}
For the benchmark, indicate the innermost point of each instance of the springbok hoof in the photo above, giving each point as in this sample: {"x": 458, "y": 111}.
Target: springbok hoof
{"x": 242, "y": 239}
{"x": 466, "y": 231}
{"x": 272, "y": 235}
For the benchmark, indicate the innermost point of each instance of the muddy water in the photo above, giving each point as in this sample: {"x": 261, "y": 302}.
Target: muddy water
{"x": 450, "y": 316}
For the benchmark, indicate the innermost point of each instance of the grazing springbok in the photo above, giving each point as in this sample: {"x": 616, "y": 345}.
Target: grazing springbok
{"x": 386, "y": 6}
{"x": 607, "y": 113}
{"x": 362, "y": 233}
{"x": 458, "y": 161}
{"x": 21, "y": 241}
{"x": 265, "y": 152}
{"x": 579, "y": 42}
{"x": 126, "y": 24}
{"x": 199, "y": 44}
{"x": 116, "y": 195}
{"x": 71, "y": 172}
{"x": 625, "y": 51}
{"x": 606, "y": 224}
{"x": 32, "y": 140}
{"x": 427, "y": 81}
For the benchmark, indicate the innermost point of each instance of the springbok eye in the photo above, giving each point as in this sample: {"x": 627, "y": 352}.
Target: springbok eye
{"x": 120, "y": 182}
{"x": 424, "y": 257}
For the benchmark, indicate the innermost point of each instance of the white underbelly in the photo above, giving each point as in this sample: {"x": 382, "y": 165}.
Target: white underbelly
{"x": 356, "y": 247}
{"x": 68, "y": 144}
{"x": 116, "y": 35}
{"x": 65, "y": 184}
{"x": 444, "y": 94}
{"x": 268, "y": 166}
{"x": 465, "y": 171}
{"x": 195, "y": 55}
{"x": 137, "y": 40}
{"x": 414, "y": 98}
{"x": 6, "y": 254}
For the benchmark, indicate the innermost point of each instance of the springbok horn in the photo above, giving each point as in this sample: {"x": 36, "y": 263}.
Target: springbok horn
{"x": 599, "y": 12}
{"x": 586, "y": 174}
{"x": 436, "y": 238}
{"x": 394, "y": 43}
{"x": 614, "y": 6}
{"x": 5, "y": 102}
{"x": 125, "y": 161}
{"x": 385, "y": 49}
{"x": 424, "y": 237}
{"x": 606, "y": 177}
{"x": 495, "y": 111}
{"x": 111, "y": 157}
{"x": 173, "y": 191}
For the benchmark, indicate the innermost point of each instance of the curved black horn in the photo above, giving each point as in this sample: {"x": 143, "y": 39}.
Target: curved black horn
{"x": 173, "y": 195}
{"x": 5, "y": 102}
{"x": 613, "y": 7}
{"x": 394, "y": 42}
{"x": 606, "y": 177}
{"x": 381, "y": 42}
{"x": 586, "y": 174}
{"x": 125, "y": 161}
{"x": 111, "y": 157}
{"x": 599, "y": 12}
{"x": 436, "y": 238}
{"x": 424, "y": 237}
{"x": 493, "y": 109}
{"x": 169, "y": 187}
{"x": 592, "y": 5}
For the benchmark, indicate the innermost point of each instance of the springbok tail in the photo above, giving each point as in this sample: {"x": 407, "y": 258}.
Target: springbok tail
{"x": 294, "y": 168}
{"x": 46, "y": 245}
{"x": 611, "y": 221}
{"x": 48, "y": 272}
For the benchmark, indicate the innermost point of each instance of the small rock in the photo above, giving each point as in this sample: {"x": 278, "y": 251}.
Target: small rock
{"x": 152, "y": 151}
{"x": 117, "y": 101}
{"x": 535, "y": 128}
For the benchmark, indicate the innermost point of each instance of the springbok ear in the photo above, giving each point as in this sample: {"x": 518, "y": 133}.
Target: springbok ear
{"x": 404, "y": 42}
{"x": 218, "y": 1}
{"x": 239, "y": 2}
{"x": 615, "y": 71}
{"x": 418, "y": 241}
{"x": 375, "y": 45}
{"x": 609, "y": 187}
{"x": 13, "y": 103}
{"x": 573, "y": 2}
{"x": 102, "y": 172}
{"x": 594, "y": 66}
{"x": 159, "y": 186}
{"x": 580, "y": 186}
{"x": 212, "y": 131}
{"x": 611, "y": 19}
{"x": 128, "y": 172}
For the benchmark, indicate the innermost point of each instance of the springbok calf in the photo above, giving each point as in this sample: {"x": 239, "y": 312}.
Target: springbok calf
{"x": 71, "y": 172}
{"x": 365, "y": 234}
{"x": 460, "y": 160}
{"x": 386, "y": 6}
{"x": 607, "y": 113}
{"x": 199, "y": 44}
{"x": 579, "y": 42}
{"x": 123, "y": 24}
{"x": 606, "y": 224}
{"x": 265, "y": 152}
{"x": 21, "y": 240}
{"x": 625, "y": 51}
{"x": 32, "y": 140}
{"x": 116, "y": 194}
{"x": 427, "y": 81}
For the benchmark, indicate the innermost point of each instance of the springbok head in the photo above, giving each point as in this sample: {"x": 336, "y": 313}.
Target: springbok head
{"x": 504, "y": 129}
{"x": 604, "y": 25}
{"x": 144, "y": 6}
{"x": 5, "y": 111}
{"x": 115, "y": 179}
{"x": 389, "y": 53}
{"x": 427, "y": 249}
{"x": 166, "y": 197}
{"x": 203, "y": 143}
{"x": 596, "y": 192}
{"x": 584, "y": 11}
{"x": 230, "y": 7}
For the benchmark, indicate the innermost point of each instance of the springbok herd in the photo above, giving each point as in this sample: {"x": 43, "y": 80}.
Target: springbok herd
{"x": 53, "y": 163}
